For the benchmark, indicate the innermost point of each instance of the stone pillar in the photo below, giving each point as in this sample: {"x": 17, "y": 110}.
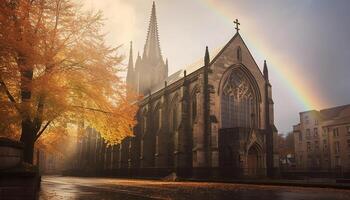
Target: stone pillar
{"x": 124, "y": 154}
{"x": 79, "y": 152}
{"x": 108, "y": 157}
{"x": 111, "y": 165}
{"x": 83, "y": 151}
{"x": 163, "y": 135}
{"x": 98, "y": 156}
{"x": 148, "y": 137}
{"x": 116, "y": 154}
{"x": 183, "y": 149}
{"x": 135, "y": 152}
{"x": 92, "y": 157}
{"x": 103, "y": 154}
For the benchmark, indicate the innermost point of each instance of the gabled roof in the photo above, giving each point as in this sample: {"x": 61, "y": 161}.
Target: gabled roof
{"x": 189, "y": 69}
{"x": 194, "y": 66}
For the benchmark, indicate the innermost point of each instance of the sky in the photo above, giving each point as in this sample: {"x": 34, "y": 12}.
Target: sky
{"x": 305, "y": 42}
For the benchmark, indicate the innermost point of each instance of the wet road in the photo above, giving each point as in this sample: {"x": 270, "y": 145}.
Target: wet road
{"x": 72, "y": 188}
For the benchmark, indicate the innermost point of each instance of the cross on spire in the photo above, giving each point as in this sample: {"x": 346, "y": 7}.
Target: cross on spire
{"x": 237, "y": 24}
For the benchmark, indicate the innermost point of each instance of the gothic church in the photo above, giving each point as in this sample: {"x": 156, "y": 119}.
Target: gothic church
{"x": 214, "y": 118}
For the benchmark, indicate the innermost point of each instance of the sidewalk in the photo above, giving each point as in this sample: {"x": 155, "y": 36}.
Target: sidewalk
{"x": 312, "y": 182}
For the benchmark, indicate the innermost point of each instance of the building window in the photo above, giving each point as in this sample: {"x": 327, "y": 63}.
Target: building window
{"x": 144, "y": 125}
{"x": 348, "y": 143}
{"x": 306, "y": 119}
{"x": 316, "y": 122}
{"x": 309, "y": 161}
{"x": 300, "y": 136}
{"x": 238, "y": 102}
{"x": 308, "y": 134}
{"x": 325, "y": 146}
{"x": 335, "y": 132}
{"x": 174, "y": 121}
{"x": 194, "y": 107}
{"x": 157, "y": 119}
{"x": 348, "y": 130}
{"x": 157, "y": 144}
{"x": 141, "y": 149}
{"x": 195, "y": 156}
{"x": 318, "y": 162}
{"x": 317, "y": 146}
{"x": 324, "y": 133}
{"x": 315, "y": 132}
{"x": 337, "y": 161}
{"x": 336, "y": 147}
{"x": 308, "y": 146}
{"x": 300, "y": 160}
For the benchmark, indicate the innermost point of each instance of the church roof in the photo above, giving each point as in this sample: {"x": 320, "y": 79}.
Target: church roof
{"x": 189, "y": 69}
{"x": 194, "y": 66}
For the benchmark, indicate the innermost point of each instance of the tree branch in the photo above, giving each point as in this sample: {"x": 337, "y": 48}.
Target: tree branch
{"x": 42, "y": 130}
{"x": 9, "y": 95}
{"x": 92, "y": 109}
{"x": 12, "y": 99}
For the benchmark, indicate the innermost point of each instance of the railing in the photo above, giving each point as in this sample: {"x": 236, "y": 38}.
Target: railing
{"x": 302, "y": 173}
{"x": 219, "y": 172}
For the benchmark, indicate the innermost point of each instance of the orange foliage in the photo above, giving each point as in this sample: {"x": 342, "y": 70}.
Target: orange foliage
{"x": 55, "y": 51}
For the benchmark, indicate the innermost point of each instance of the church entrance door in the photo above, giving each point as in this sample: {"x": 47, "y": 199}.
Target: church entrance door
{"x": 252, "y": 161}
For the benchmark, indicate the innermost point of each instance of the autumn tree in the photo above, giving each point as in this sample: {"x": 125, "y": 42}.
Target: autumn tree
{"x": 55, "y": 69}
{"x": 286, "y": 144}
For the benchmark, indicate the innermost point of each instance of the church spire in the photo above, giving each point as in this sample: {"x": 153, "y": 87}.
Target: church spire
{"x": 152, "y": 46}
{"x": 166, "y": 69}
{"x": 130, "y": 72}
{"x": 266, "y": 71}
{"x": 206, "y": 56}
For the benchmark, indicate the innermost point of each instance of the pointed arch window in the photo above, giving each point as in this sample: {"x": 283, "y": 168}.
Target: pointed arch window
{"x": 174, "y": 118}
{"x": 194, "y": 107}
{"x": 157, "y": 119}
{"x": 238, "y": 102}
{"x": 144, "y": 121}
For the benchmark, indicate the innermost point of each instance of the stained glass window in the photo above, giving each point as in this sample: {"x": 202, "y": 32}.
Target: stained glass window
{"x": 157, "y": 119}
{"x": 238, "y": 102}
{"x": 194, "y": 107}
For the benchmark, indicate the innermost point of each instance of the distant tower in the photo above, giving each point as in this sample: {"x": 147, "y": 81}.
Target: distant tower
{"x": 150, "y": 69}
{"x": 130, "y": 77}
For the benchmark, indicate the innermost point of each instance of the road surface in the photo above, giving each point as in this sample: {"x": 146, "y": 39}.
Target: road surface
{"x": 73, "y": 188}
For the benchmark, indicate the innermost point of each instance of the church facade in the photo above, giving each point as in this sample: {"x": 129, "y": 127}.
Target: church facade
{"x": 215, "y": 117}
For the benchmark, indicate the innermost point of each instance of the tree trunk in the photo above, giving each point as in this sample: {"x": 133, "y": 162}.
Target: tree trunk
{"x": 28, "y": 139}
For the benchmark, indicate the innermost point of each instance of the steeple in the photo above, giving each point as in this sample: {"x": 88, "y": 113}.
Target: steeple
{"x": 130, "y": 74}
{"x": 166, "y": 69}
{"x": 152, "y": 46}
{"x": 150, "y": 69}
{"x": 138, "y": 60}
{"x": 266, "y": 72}
{"x": 206, "y": 57}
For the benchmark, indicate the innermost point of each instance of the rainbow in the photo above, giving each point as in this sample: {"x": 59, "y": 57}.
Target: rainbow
{"x": 285, "y": 68}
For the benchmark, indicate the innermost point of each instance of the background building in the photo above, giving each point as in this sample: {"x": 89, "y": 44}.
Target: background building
{"x": 322, "y": 139}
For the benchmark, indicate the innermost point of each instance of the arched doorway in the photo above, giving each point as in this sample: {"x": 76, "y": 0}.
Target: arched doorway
{"x": 253, "y": 160}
